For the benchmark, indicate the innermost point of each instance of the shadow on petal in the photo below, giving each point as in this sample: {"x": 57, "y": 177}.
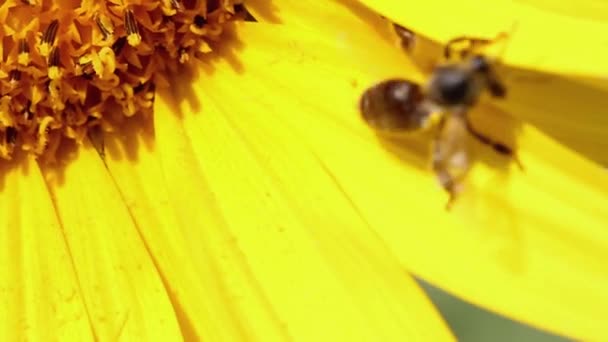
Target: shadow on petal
{"x": 571, "y": 111}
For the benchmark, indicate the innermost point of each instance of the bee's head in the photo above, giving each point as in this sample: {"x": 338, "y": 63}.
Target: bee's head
{"x": 462, "y": 83}
{"x": 451, "y": 85}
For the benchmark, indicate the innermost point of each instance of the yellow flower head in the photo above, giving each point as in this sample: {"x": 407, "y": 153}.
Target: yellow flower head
{"x": 255, "y": 203}
{"x": 73, "y": 65}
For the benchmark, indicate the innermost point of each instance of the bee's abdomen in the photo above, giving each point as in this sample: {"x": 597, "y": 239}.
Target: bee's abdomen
{"x": 393, "y": 105}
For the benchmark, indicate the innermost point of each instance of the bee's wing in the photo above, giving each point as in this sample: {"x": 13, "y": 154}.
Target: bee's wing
{"x": 451, "y": 154}
{"x": 394, "y": 105}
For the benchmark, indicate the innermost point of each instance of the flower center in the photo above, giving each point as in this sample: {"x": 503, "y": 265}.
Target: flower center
{"x": 68, "y": 66}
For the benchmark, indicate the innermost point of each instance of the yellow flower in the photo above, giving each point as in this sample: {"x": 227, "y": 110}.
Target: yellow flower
{"x": 258, "y": 206}
{"x": 182, "y": 228}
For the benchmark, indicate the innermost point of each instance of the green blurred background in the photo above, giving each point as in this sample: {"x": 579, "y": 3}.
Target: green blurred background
{"x": 470, "y": 323}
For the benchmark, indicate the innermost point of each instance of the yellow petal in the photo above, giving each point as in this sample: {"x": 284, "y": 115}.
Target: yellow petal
{"x": 122, "y": 290}
{"x": 338, "y": 19}
{"x": 38, "y": 289}
{"x": 511, "y": 237}
{"x": 562, "y": 44}
{"x": 215, "y": 295}
{"x": 321, "y": 269}
{"x": 567, "y": 110}
{"x": 512, "y": 234}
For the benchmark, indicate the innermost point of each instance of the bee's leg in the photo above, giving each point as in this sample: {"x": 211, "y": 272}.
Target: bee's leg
{"x": 446, "y": 180}
{"x": 470, "y": 43}
{"x": 448, "y": 183}
{"x": 497, "y": 146}
{"x": 496, "y": 87}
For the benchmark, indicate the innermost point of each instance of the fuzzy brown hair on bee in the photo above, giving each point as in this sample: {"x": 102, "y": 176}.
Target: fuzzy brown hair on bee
{"x": 452, "y": 89}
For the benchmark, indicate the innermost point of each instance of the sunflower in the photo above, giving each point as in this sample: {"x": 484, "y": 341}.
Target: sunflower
{"x": 225, "y": 187}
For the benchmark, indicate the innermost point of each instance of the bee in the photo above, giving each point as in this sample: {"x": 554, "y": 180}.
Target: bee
{"x": 452, "y": 89}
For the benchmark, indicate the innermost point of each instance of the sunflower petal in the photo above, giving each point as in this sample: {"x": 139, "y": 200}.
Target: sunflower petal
{"x": 334, "y": 18}
{"x": 512, "y": 233}
{"x": 121, "y": 288}
{"x": 321, "y": 269}
{"x": 39, "y": 291}
{"x": 530, "y": 45}
{"x": 510, "y": 238}
{"x": 576, "y": 117}
{"x": 215, "y": 296}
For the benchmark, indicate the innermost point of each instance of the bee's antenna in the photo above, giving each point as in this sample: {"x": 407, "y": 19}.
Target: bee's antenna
{"x": 507, "y": 36}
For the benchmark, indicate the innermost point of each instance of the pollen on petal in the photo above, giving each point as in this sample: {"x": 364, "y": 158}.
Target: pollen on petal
{"x": 68, "y": 66}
